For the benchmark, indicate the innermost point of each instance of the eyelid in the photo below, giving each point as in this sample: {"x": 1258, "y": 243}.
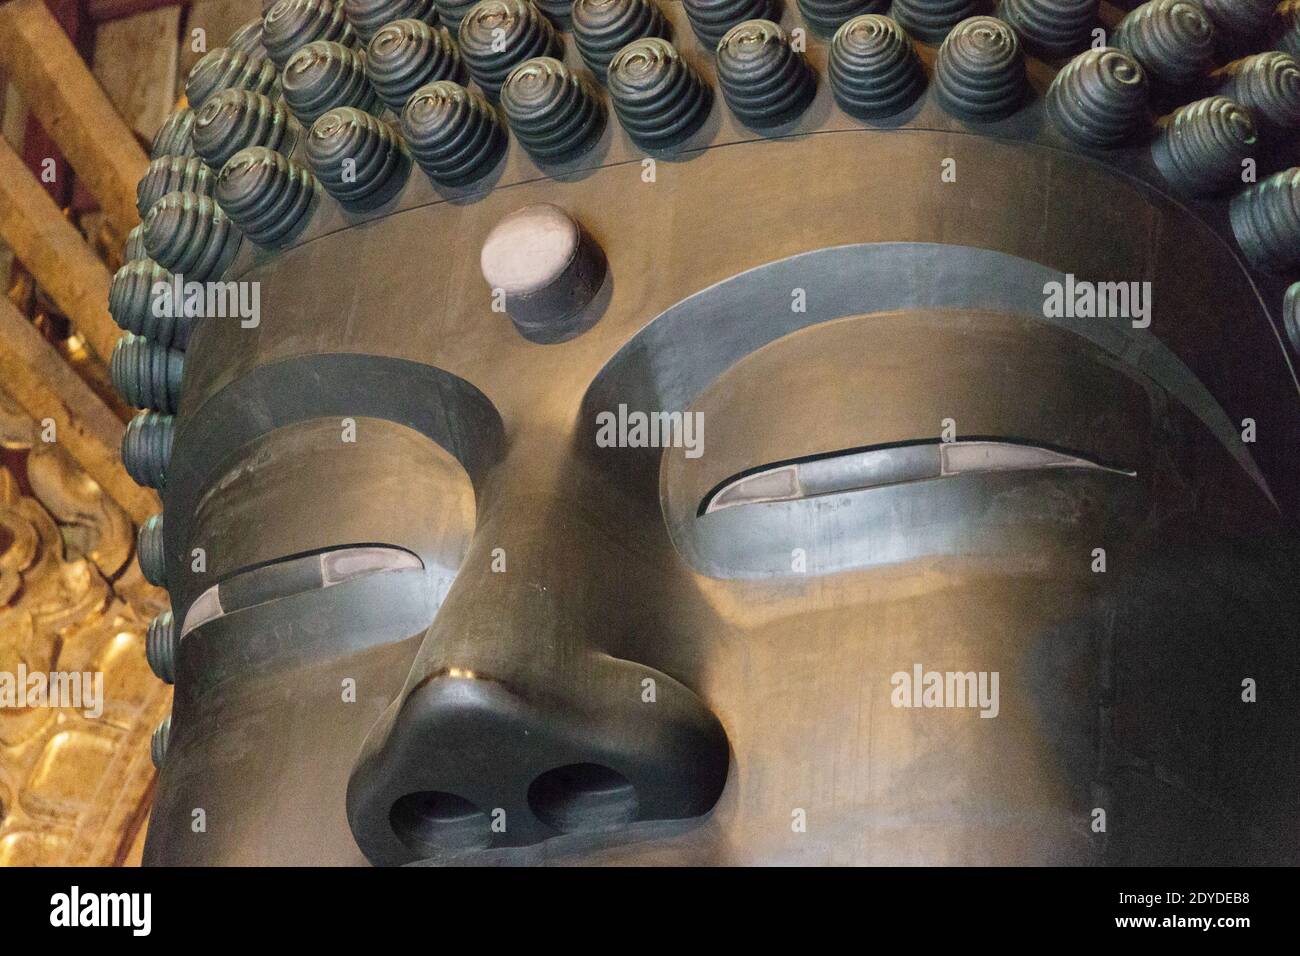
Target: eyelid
{"x": 295, "y": 575}
{"x": 861, "y": 469}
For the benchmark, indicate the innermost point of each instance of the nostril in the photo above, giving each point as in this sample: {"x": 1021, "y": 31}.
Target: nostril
{"x": 583, "y": 796}
{"x": 432, "y": 821}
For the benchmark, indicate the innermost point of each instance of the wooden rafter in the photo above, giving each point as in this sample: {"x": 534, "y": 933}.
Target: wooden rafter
{"x": 35, "y": 375}
{"x": 61, "y": 92}
{"x": 55, "y": 253}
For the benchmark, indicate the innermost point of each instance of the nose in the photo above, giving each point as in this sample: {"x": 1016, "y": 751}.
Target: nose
{"x": 514, "y": 725}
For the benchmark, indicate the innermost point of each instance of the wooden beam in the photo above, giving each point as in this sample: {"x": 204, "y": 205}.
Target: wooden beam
{"x": 59, "y": 89}
{"x": 44, "y": 386}
{"x": 36, "y": 145}
{"x": 102, "y": 11}
{"x": 135, "y": 62}
{"x": 55, "y": 253}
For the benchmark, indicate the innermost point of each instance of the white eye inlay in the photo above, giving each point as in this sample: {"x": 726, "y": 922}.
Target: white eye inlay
{"x": 338, "y": 566}
{"x": 206, "y": 607}
{"x": 880, "y": 467}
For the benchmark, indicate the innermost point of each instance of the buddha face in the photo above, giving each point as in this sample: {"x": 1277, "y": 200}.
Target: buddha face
{"x": 885, "y": 495}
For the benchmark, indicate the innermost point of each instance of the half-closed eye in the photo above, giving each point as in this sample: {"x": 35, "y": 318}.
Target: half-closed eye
{"x": 859, "y": 469}
{"x": 295, "y": 575}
